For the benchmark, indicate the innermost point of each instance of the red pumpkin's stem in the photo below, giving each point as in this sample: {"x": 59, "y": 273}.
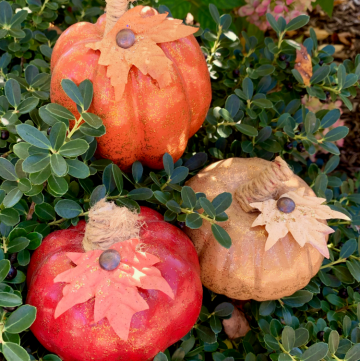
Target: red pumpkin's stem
{"x": 265, "y": 185}
{"x": 109, "y": 224}
{"x": 115, "y": 9}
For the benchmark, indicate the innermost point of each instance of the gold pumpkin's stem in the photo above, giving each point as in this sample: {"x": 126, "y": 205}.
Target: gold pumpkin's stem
{"x": 115, "y": 9}
{"x": 265, "y": 185}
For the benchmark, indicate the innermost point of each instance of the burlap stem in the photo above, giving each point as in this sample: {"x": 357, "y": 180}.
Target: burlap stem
{"x": 115, "y": 9}
{"x": 109, "y": 224}
{"x": 263, "y": 186}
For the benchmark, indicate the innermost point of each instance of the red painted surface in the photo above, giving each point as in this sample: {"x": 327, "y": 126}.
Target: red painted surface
{"x": 148, "y": 121}
{"x": 74, "y": 336}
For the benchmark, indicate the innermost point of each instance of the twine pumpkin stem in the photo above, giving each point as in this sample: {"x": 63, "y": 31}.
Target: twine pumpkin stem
{"x": 264, "y": 186}
{"x": 109, "y": 224}
{"x": 115, "y": 9}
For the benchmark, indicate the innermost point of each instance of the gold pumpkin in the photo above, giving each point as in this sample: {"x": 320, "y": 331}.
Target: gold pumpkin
{"x": 246, "y": 271}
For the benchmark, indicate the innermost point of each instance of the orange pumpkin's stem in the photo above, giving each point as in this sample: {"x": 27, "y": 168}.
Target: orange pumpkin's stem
{"x": 115, "y": 9}
{"x": 264, "y": 186}
{"x": 109, "y": 224}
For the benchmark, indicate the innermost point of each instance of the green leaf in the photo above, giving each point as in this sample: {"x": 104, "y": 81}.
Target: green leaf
{"x": 137, "y": 171}
{"x": 315, "y": 352}
{"x": 12, "y": 198}
{"x": 35, "y": 240}
{"x": 74, "y": 148}
{"x": 4, "y": 268}
{"x": 310, "y": 123}
{"x": 288, "y": 338}
{"x": 301, "y": 337}
{"x": 341, "y": 74}
{"x": 40, "y": 177}
{"x": 193, "y": 221}
{"x": 58, "y": 165}
{"x": 58, "y": 185}
{"x": 336, "y": 134}
{"x": 214, "y": 13}
{"x": 68, "y": 209}
{"x": 271, "y": 342}
{"x": 247, "y": 129}
{"x": 267, "y": 308}
{"x": 332, "y": 164}
{"x": 224, "y": 310}
{"x": 248, "y": 88}
{"x": 58, "y": 135}
{"x": 23, "y": 257}
{"x": 298, "y": 299}
{"x": 320, "y": 74}
{"x": 87, "y": 91}
{"x": 6, "y": 13}
{"x": 273, "y": 23}
{"x": 297, "y": 76}
{"x": 330, "y": 118}
{"x": 262, "y": 103}
{"x": 222, "y": 202}
{"x": 93, "y": 120}
{"x": 77, "y": 169}
{"x": 28, "y": 105}
{"x": 9, "y": 300}
{"x": 188, "y": 197}
{"x": 9, "y": 216}
{"x": 348, "y": 248}
{"x": 21, "y": 319}
{"x": 24, "y": 185}
{"x": 161, "y": 357}
{"x": 33, "y": 136}
{"x": 208, "y": 207}
{"x": 297, "y": 23}
{"x": 36, "y": 163}
{"x": 97, "y": 194}
{"x": 13, "y": 92}
{"x": 221, "y": 235}
{"x": 327, "y": 6}
{"x": 45, "y": 211}
{"x": 205, "y": 334}
{"x": 353, "y": 354}
{"x": 14, "y": 352}
{"x": 72, "y": 91}
{"x": 168, "y": 164}
{"x": 17, "y": 244}
{"x": 118, "y": 177}
{"x": 173, "y": 206}
{"x": 7, "y": 170}
{"x": 59, "y": 111}
{"x": 140, "y": 194}
{"x": 179, "y": 174}
{"x": 215, "y": 324}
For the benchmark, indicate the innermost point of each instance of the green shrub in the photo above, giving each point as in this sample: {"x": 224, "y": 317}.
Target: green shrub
{"x": 257, "y": 111}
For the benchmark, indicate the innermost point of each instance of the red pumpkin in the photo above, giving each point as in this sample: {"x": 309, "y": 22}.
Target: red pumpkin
{"x": 75, "y": 336}
{"x": 152, "y": 97}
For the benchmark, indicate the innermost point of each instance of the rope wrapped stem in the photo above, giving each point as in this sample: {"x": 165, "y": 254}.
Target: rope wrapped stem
{"x": 265, "y": 185}
{"x": 109, "y": 224}
{"x": 115, "y": 9}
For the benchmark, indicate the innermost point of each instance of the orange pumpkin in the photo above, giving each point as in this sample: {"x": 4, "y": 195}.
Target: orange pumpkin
{"x": 152, "y": 94}
{"x": 247, "y": 270}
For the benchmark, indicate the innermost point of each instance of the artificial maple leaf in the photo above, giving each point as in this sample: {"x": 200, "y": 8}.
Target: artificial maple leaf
{"x": 302, "y": 223}
{"x": 116, "y": 294}
{"x": 303, "y": 64}
{"x": 145, "y": 54}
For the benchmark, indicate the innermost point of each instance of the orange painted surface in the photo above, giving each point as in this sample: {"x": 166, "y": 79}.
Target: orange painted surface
{"x": 148, "y": 121}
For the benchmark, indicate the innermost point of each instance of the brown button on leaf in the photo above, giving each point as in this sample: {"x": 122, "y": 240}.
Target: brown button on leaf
{"x": 303, "y": 64}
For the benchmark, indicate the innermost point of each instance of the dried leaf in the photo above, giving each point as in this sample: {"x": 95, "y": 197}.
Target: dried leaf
{"x": 145, "y": 54}
{"x": 302, "y": 223}
{"x": 116, "y": 294}
{"x": 303, "y": 65}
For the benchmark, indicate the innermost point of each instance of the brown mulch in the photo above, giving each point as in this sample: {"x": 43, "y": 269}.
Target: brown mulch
{"x": 343, "y": 31}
